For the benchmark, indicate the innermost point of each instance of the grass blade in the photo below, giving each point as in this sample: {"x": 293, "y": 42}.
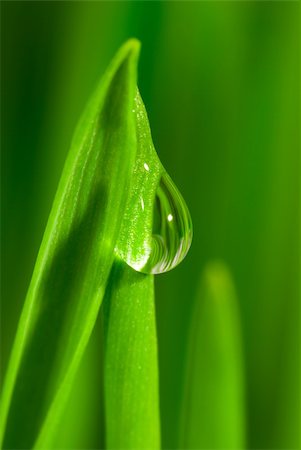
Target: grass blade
{"x": 74, "y": 261}
{"x": 213, "y": 408}
{"x": 131, "y": 367}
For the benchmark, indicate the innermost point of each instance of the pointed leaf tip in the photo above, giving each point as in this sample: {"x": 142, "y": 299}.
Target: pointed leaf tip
{"x": 133, "y": 45}
{"x": 129, "y": 51}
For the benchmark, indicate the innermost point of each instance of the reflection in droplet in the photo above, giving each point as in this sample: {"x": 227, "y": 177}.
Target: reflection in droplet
{"x": 154, "y": 199}
{"x": 166, "y": 245}
{"x": 171, "y": 238}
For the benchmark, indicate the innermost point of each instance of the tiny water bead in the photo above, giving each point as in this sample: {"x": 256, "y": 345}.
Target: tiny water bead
{"x": 172, "y": 229}
{"x": 156, "y": 231}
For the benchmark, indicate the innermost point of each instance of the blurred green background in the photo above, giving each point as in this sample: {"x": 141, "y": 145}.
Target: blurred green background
{"x": 220, "y": 81}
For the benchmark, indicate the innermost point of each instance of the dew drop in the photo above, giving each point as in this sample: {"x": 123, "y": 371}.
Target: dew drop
{"x": 156, "y": 231}
{"x": 172, "y": 230}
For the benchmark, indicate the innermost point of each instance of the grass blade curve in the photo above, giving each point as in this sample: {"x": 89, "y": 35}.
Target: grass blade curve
{"x": 74, "y": 261}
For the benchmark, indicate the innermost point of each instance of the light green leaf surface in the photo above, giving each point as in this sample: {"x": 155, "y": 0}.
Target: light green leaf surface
{"x": 74, "y": 261}
{"x": 131, "y": 367}
{"x": 213, "y": 415}
{"x": 131, "y": 362}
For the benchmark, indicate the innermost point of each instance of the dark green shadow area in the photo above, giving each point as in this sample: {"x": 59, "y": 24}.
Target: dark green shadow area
{"x": 60, "y": 300}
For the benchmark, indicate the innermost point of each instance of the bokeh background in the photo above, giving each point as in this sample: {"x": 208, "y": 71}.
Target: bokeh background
{"x": 220, "y": 81}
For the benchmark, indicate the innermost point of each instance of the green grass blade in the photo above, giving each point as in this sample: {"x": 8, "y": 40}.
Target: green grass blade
{"x": 213, "y": 408}
{"x": 74, "y": 261}
{"x": 131, "y": 367}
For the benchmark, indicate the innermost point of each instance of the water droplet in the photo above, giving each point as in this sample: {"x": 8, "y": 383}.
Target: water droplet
{"x": 166, "y": 245}
{"x": 156, "y": 230}
{"x": 172, "y": 231}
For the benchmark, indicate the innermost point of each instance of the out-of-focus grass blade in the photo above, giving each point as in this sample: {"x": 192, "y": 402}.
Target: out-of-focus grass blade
{"x": 213, "y": 408}
{"x": 74, "y": 261}
{"x": 131, "y": 367}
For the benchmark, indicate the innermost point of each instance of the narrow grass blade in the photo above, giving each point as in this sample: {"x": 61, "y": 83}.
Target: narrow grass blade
{"x": 74, "y": 261}
{"x": 213, "y": 407}
{"x": 131, "y": 367}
